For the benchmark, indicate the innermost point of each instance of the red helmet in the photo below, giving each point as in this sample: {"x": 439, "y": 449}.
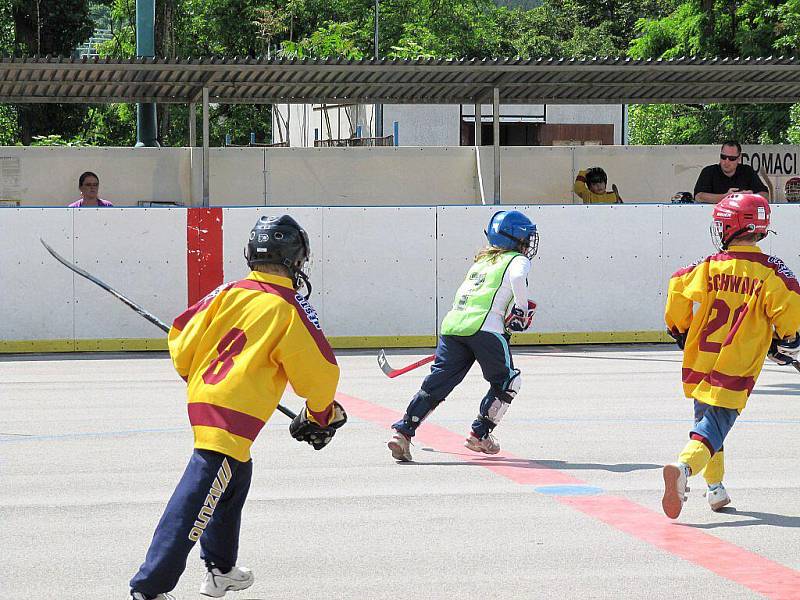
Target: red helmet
{"x": 736, "y": 214}
{"x": 792, "y": 189}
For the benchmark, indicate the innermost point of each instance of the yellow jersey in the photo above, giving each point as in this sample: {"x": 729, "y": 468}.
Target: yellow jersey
{"x": 589, "y": 197}
{"x": 743, "y": 295}
{"x": 237, "y": 348}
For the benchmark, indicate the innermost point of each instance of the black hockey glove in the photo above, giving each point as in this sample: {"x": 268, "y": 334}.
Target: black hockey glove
{"x": 784, "y": 352}
{"x": 304, "y": 430}
{"x": 680, "y": 338}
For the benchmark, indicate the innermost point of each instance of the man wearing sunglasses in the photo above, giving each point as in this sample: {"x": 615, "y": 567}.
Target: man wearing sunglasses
{"x": 730, "y": 176}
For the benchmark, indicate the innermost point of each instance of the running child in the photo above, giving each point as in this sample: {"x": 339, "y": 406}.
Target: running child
{"x": 727, "y": 312}
{"x": 477, "y": 329}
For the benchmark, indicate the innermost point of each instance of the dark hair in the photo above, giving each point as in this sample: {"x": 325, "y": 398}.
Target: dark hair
{"x": 733, "y": 143}
{"x": 596, "y": 175}
{"x": 85, "y": 175}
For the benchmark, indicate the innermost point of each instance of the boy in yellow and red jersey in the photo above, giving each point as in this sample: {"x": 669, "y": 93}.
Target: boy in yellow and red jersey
{"x": 237, "y": 348}
{"x": 749, "y": 307}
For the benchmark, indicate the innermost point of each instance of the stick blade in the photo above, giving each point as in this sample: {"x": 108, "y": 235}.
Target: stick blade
{"x": 383, "y": 363}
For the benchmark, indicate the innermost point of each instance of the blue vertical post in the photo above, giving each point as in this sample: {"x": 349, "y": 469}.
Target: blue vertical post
{"x": 146, "y": 48}
{"x": 358, "y": 131}
{"x": 227, "y": 139}
{"x": 396, "y": 132}
{"x": 316, "y": 134}
{"x": 252, "y": 138}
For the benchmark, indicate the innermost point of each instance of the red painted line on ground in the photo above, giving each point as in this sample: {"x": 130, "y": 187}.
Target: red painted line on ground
{"x": 203, "y": 251}
{"x": 727, "y": 560}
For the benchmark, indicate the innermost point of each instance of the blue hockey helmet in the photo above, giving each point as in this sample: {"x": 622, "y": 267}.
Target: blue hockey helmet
{"x": 512, "y": 230}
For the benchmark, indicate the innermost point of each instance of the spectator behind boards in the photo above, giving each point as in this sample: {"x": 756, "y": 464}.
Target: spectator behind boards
{"x": 89, "y": 185}
{"x": 729, "y": 176}
{"x": 590, "y": 185}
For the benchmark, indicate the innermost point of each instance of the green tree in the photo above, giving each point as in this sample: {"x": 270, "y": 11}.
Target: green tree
{"x": 710, "y": 29}
{"x": 53, "y": 27}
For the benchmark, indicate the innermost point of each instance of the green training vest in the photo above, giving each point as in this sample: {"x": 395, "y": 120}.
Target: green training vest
{"x": 474, "y": 298}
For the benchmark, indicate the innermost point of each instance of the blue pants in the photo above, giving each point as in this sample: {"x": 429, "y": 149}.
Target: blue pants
{"x": 206, "y": 505}
{"x": 455, "y": 355}
{"x": 713, "y": 423}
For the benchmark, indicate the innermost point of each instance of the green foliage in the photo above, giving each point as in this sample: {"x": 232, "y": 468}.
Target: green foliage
{"x": 793, "y": 131}
{"x": 9, "y": 129}
{"x": 716, "y": 29}
{"x": 334, "y": 40}
{"x": 457, "y": 29}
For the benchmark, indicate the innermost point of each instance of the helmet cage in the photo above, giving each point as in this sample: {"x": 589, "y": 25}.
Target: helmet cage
{"x": 512, "y": 230}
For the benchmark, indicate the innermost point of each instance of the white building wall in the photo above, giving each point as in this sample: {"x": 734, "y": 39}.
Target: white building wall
{"x": 423, "y": 124}
{"x": 431, "y": 124}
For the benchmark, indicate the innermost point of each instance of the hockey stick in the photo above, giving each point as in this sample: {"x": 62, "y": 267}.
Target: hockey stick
{"x": 139, "y": 310}
{"x": 383, "y": 363}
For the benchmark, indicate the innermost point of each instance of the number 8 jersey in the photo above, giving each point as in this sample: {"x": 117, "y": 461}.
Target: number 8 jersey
{"x": 237, "y": 348}
{"x": 742, "y": 295}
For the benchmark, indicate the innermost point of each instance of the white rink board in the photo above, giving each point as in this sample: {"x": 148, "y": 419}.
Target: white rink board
{"x": 380, "y": 271}
{"x": 36, "y": 292}
{"x": 686, "y": 237}
{"x": 598, "y": 268}
{"x": 376, "y": 271}
{"x": 586, "y": 277}
{"x": 142, "y": 254}
{"x": 786, "y": 244}
{"x": 236, "y": 226}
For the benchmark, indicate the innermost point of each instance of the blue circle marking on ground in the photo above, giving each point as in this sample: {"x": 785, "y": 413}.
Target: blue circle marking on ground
{"x": 569, "y": 490}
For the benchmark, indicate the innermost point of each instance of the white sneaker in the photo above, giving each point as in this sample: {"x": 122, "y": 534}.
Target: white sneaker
{"x": 141, "y": 596}
{"x": 675, "y": 477}
{"x": 400, "y": 445}
{"x": 717, "y": 497}
{"x": 217, "y": 583}
{"x": 487, "y": 445}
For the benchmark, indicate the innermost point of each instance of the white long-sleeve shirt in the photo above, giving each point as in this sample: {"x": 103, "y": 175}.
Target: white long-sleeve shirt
{"x": 515, "y": 284}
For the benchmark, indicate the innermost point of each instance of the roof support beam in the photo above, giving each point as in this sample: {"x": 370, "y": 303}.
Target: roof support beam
{"x": 496, "y": 140}
{"x": 206, "y": 153}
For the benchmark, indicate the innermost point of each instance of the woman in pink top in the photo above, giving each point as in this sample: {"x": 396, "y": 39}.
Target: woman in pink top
{"x": 89, "y": 185}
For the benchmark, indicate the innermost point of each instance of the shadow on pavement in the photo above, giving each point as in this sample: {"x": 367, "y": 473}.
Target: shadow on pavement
{"x": 524, "y": 463}
{"x": 756, "y": 518}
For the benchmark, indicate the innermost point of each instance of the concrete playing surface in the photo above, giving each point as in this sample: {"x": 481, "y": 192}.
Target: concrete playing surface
{"x": 91, "y": 447}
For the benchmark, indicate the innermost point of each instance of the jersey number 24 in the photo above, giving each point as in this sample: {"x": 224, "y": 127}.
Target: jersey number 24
{"x": 720, "y": 320}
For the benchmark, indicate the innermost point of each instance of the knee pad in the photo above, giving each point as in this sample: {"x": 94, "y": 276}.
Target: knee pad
{"x": 497, "y": 401}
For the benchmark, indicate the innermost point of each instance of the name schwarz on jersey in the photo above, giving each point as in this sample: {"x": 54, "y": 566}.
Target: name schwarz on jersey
{"x": 733, "y": 283}
{"x": 218, "y": 487}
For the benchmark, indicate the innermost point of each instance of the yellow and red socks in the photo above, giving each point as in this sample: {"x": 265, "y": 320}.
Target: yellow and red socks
{"x": 695, "y": 454}
{"x": 715, "y": 469}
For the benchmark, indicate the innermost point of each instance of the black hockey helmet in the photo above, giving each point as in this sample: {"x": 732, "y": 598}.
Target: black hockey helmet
{"x": 682, "y": 198}
{"x": 279, "y": 241}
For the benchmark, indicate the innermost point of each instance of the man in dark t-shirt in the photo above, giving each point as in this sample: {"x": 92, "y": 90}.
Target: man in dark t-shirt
{"x": 729, "y": 176}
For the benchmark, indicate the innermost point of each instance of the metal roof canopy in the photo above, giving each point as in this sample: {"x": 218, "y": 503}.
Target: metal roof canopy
{"x": 261, "y": 81}
{"x": 428, "y": 81}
